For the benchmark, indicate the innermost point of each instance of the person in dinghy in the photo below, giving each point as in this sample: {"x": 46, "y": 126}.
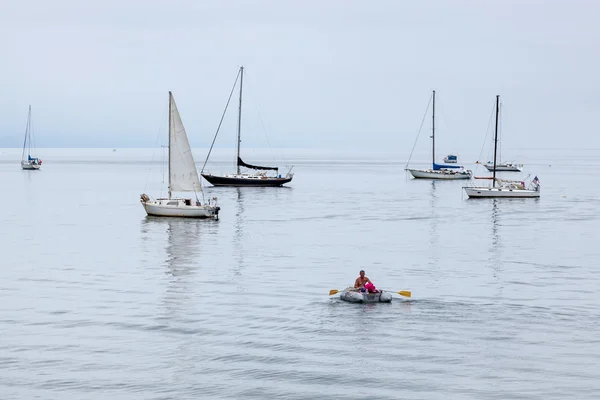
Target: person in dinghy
{"x": 364, "y": 284}
{"x": 359, "y": 283}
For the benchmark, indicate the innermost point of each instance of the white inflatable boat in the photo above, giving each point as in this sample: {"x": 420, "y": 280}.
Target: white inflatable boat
{"x": 354, "y": 296}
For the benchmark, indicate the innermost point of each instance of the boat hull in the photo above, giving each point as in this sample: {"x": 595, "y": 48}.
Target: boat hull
{"x": 489, "y": 192}
{"x": 439, "y": 174}
{"x": 360, "y": 297}
{"x": 30, "y": 166}
{"x": 246, "y": 180}
{"x": 504, "y": 168}
{"x": 179, "y": 208}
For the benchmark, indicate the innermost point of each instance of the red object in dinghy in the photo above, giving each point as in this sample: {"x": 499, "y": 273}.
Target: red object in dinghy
{"x": 371, "y": 288}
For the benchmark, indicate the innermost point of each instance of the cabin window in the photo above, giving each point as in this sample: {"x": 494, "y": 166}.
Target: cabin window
{"x": 172, "y": 203}
{"x": 188, "y": 202}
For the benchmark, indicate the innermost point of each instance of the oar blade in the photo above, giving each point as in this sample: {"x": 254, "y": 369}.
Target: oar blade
{"x": 405, "y": 293}
{"x": 333, "y": 291}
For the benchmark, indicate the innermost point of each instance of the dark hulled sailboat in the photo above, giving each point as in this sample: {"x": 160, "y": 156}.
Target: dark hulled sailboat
{"x": 246, "y": 179}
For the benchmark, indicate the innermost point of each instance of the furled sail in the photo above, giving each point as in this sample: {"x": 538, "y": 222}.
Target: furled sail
{"x": 183, "y": 176}
{"x": 241, "y": 163}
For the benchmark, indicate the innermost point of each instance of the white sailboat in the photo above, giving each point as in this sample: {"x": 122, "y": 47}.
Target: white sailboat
{"x": 504, "y": 167}
{"x": 183, "y": 177}
{"x": 29, "y": 163}
{"x": 500, "y": 165}
{"x": 503, "y": 187}
{"x": 440, "y": 171}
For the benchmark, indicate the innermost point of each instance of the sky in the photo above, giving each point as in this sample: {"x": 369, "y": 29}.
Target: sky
{"x": 319, "y": 74}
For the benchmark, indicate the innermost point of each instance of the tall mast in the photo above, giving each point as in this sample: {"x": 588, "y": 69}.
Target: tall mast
{"x": 170, "y": 116}
{"x": 29, "y": 130}
{"x": 26, "y": 132}
{"x": 496, "y": 138}
{"x": 433, "y": 131}
{"x": 239, "y": 139}
{"x": 499, "y": 139}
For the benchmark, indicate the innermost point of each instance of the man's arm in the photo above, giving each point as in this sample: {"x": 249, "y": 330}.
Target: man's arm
{"x": 356, "y": 284}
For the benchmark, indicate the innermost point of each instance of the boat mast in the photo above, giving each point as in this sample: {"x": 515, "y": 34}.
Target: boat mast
{"x": 239, "y": 140}
{"x": 496, "y": 139}
{"x": 499, "y": 139}
{"x": 433, "y": 131}
{"x": 29, "y": 135}
{"x": 170, "y": 116}
{"x": 27, "y": 129}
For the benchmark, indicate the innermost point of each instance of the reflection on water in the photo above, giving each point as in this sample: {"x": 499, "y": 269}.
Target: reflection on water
{"x": 185, "y": 240}
{"x": 495, "y": 237}
{"x": 238, "y": 237}
{"x": 496, "y": 247}
{"x": 433, "y": 228}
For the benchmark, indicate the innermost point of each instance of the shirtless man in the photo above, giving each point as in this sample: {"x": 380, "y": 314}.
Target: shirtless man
{"x": 361, "y": 280}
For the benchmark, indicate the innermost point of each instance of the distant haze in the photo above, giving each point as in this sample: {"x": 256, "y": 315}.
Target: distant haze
{"x": 320, "y": 74}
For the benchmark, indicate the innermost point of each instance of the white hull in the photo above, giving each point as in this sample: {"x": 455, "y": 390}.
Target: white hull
{"x": 490, "y": 192}
{"x": 30, "y": 165}
{"x": 440, "y": 174}
{"x": 359, "y": 297}
{"x": 504, "y": 167}
{"x": 179, "y": 208}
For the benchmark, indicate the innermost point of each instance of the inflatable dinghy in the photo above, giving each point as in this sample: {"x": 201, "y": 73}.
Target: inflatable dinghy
{"x": 354, "y": 296}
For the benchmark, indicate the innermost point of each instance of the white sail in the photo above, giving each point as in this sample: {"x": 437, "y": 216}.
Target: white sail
{"x": 183, "y": 176}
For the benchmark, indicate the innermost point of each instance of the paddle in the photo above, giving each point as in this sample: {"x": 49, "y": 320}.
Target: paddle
{"x": 401, "y": 293}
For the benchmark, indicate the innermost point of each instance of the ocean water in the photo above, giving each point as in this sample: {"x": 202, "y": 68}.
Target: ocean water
{"x": 98, "y": 301}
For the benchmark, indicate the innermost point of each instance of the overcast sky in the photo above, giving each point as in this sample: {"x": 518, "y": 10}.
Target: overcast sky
{"x": 320, "y": 74}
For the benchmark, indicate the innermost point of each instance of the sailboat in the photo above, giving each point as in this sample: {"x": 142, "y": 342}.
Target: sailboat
{"x": 183, "y": 177}
{"x": 503, "y": 187}
{"x": 246, "y": 179}
{"x": 502, "y": 166}
{"x": 439, "y": 171}
{"x": 451, "y": 159}
{"x": 31, "y": 163}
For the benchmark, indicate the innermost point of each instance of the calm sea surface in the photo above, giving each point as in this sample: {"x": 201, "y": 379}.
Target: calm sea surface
{"x": 99, "y": 301}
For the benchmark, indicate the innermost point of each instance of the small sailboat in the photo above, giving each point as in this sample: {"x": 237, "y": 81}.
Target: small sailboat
{"x": 246, "y": 179}
{"x": 500, "y": 165}
{"x": 439, "y": 171}
{"x": 183, "y": 177}
{"x": 31, "y": 163}
{"x": 504, "y": 167}
{"x": 451, "y": 159}
{"x": 503, "y": 187}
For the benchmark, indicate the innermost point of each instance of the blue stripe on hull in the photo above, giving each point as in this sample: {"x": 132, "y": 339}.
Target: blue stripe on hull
{"x": 437, "y": 167}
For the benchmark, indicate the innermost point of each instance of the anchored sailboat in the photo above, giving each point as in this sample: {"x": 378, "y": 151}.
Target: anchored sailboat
{"x": 503, "y": 187}
{"x": 183, "y": 177}
{"x": 500, "y": 165}
{"x": 31, "y": 163}
{"x": 244, "y": 179}
{"x": 440, "y": 171}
